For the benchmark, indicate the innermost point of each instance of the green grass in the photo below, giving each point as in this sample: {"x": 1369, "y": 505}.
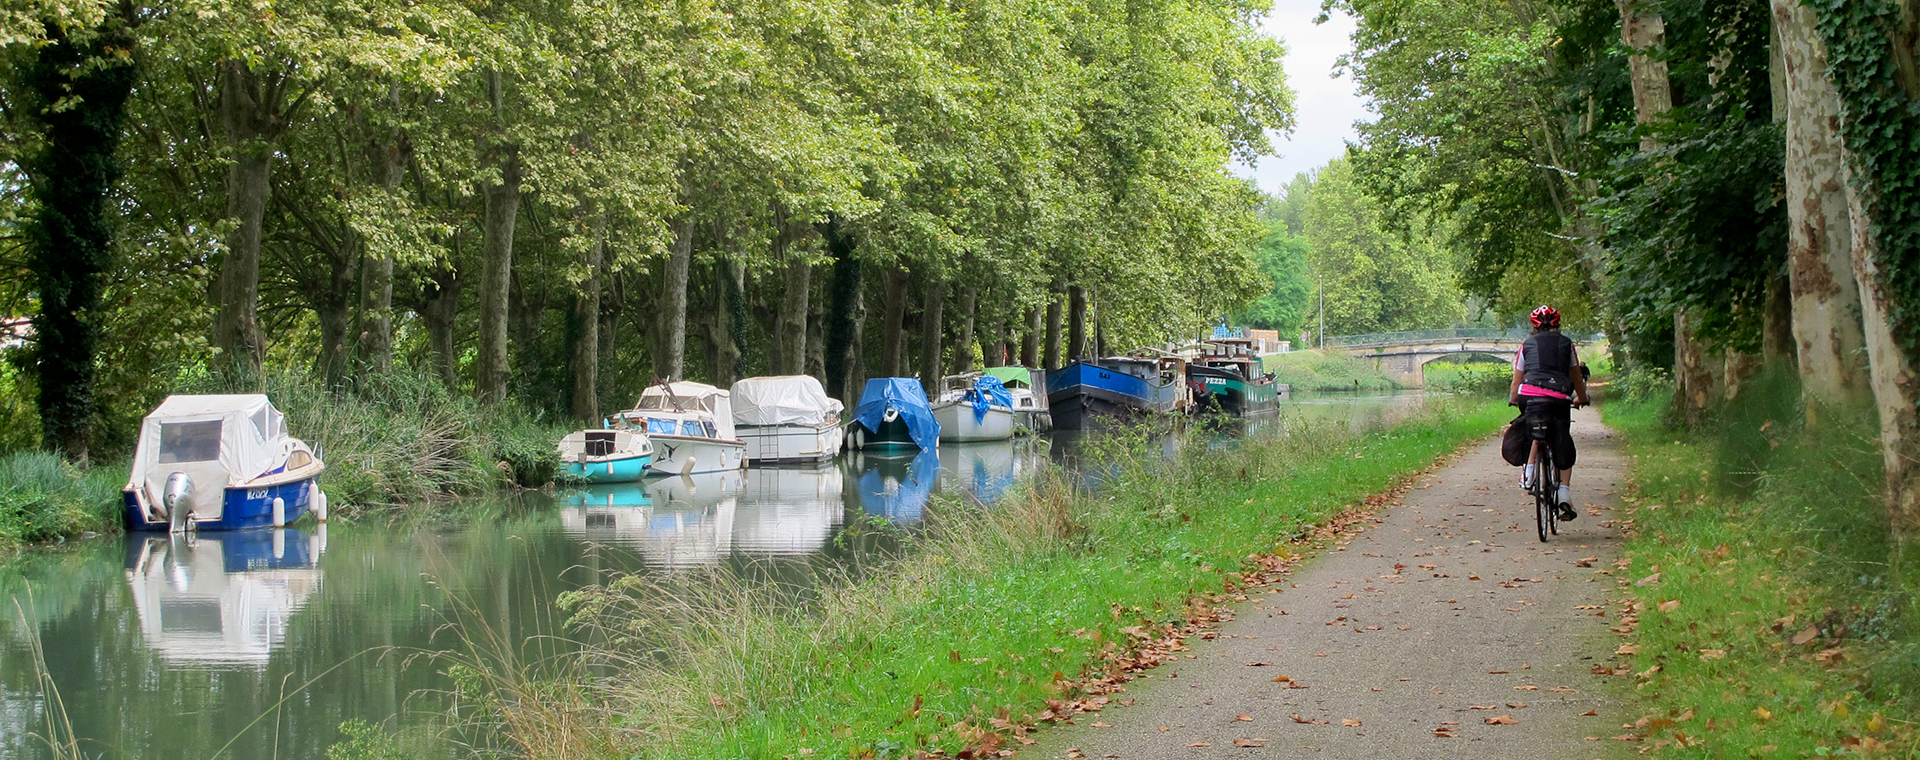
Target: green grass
{"x": 1326, "y": 371}
{"x": 44, "y": 498}
{"x": 1763, "y": 533}
{"x": 1482, "y": 378}
{"x": 986, "y": 615}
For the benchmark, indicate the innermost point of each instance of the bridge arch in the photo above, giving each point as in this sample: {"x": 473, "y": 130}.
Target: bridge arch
{"x": 1404, "y": 356}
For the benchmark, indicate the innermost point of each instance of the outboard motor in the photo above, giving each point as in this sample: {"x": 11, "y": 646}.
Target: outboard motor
{"x": 177, "y": 497}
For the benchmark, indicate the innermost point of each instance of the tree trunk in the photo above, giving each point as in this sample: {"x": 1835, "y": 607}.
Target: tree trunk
{"x": 1827, "y": 325}
{"x": 1894, "y": 377}
{"x": 671, "y": 362}
{"x": 846, "y": 314}
{"x": 931, "y": 333}
{"x": 963, "y": 338}
{"x": 1030, "y": 339}
{"x": 790, "y": 345}
{"x": 376, "y": 271}
{"x": 1053, "y": 331}
{"x": 1076, "y": 323}
{"x": 70, "y": 237}
{"x": 585, "y": 362}
{"x": 893, "y": 335}
{"x": 1776, "y": 333}
{"x": 335, "y": 310}
{"x": 440, "y": 312}
{"x": 248, "y": 120}
{"x": 502, "y": 208}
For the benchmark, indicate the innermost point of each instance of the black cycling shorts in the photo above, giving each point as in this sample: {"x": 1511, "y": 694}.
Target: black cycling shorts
{"x": 1558, "y": 414}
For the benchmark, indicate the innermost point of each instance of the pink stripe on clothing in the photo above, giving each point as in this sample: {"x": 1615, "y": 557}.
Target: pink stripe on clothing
{"x": 1534, "y": 390}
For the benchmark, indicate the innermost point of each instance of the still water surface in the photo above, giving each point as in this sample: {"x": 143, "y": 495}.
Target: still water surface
{"x": 261, "y": 643}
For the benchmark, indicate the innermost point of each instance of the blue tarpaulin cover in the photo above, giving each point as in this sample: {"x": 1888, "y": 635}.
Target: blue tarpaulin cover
{"x": 986, "y": 392}
{"x": 902, "y": 394}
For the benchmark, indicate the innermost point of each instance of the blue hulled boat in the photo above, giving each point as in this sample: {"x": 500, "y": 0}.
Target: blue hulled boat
{"x": 1116, "y": 386}
{"x": 220, "y": 463}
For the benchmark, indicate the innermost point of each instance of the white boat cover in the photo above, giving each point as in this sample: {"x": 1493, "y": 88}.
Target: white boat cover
{"x": 242, "y": 433}
{"x": 692, "y": 396}
{"x": 784, "y": 400}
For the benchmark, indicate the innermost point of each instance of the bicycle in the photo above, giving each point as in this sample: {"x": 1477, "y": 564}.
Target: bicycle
{"x": 1546, "y": 477}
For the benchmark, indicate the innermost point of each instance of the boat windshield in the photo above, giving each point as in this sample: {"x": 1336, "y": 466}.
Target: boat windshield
{"x": 662, "y": 426}
{"x": 697, "y": 428}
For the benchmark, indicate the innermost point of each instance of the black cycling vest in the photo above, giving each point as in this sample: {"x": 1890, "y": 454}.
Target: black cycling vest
{"x": 1549, "y": 362}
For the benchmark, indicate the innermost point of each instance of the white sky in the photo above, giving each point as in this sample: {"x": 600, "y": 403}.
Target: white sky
{"x": 1325, "y": 108}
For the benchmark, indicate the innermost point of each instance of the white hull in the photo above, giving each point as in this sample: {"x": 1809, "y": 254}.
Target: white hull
{"x": 791, "y": 444}
{"x": 958, "y": 423}
{"x": 678, "y": 455}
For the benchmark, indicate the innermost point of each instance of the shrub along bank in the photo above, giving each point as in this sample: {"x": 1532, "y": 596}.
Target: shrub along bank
{"x": 1766, "y": 616}
{"x": 989, "y": 622}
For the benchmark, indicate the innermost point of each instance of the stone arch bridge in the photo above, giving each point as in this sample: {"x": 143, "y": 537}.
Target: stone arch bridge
{"x": 1403, "y": 356}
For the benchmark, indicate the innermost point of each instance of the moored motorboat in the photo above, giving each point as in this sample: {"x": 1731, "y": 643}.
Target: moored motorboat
{"x": 893, "y": 417}
{"x": 787, "y": 420}
{"x": 1029, "y": 391}
{"x": 690, "y": 426}
{"x": 220, "y": 463}
{"x": 1082, "y": 392}
{"x": 1227, "y": 377}
{"x": 605, "y": 456}
{"x": 974, "y": 407}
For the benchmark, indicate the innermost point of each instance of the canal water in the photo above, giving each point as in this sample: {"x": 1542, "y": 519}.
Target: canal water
{"x": 260, "y": 644}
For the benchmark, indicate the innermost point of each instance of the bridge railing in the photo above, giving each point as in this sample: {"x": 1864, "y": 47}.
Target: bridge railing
{"x": 1452, "y": 333}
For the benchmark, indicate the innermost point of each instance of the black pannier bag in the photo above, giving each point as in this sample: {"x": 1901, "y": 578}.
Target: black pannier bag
{"x": 1517, "y": 442}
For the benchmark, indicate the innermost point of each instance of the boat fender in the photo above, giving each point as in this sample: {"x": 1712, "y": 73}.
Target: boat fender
{"x": 686, "y": 467}
{"x": 891, "y": 415}
{"x": 279, "y": 512}
{"x": 178, "y": 501}
{"x": 319, "y": 503}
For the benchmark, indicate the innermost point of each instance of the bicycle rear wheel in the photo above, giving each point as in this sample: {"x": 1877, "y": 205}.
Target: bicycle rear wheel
{"x": 1546, "y": 488}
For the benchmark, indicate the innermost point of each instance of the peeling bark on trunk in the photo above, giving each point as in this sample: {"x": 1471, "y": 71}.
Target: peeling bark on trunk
{"x": 671, "y": 362}
{"x": 376, "y": 272}
{"x": 1076, "y": 323}
{"x": 1053, "y": 332}
{"x": 585, "y": 359}
{"x": 963, "y": 337}
{"x": 250, "y": 120}
{"x": 893, "y": 334}
{"x": 931, "y": 335}
{"x": 1893, "y": 375}
{"x": 1827, "y": 325}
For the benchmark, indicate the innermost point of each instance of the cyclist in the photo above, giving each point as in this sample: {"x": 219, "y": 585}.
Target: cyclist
{"x": 1547, "y": 383}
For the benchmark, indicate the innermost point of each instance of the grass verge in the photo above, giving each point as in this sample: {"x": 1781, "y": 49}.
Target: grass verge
{"x": 990, "y": 622}
{"x": 42, "y": 497}
{"x": 1326, "y": 371}
{"x": 1765, "y": 618}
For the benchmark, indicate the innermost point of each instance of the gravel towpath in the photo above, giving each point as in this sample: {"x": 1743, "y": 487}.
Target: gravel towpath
{"x": 1404, "y": 642}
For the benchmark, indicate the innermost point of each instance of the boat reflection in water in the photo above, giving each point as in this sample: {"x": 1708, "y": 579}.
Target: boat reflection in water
{"x": 674, "y": 522}
{"x": 222, "y": 599}
{"x": 984, "y": 471}
{"x": 897, "y": 488}
{"x": 789, "y": 511}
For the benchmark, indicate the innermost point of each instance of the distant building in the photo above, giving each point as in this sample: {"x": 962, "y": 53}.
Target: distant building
{"x": 15, "y": 332}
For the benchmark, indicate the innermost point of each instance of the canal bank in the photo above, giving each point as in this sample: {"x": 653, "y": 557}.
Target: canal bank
{"x": 992, "y": 624}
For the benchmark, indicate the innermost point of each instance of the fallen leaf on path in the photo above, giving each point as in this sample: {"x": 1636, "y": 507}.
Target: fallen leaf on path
{"x": 1243, "y": 717}
{"x": 1811, "y": 633}
{"x": 1249, "y": 742}
{"x": 1496, "y": 672}
{"x": 1311, "y": 722}
{"x": 1483, "y": 707}
{"x": 1501, "y": 720}
{"x": 1713, "y": 654}
{"x": 1349, "y": 722}
{"x": 1258, "y": 664}
{"x": 1517, "y": 705}
{"x": 1627, "y": 649}
{"x": 1281, "y": 679}
{"x": 1670, "y": 605}
{"x": 1648, "y": 581}
{"x": 1526, "y": 688}
{"x": 1103, "y": 725}
{"x": 1586, "y": 562}
{"x": 1762, "y": 713}
{"x": 1201, "y": 744}
{"x": 1590, "y": 712}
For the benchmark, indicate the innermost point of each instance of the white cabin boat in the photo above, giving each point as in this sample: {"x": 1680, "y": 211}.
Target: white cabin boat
{"x": 1028, "y": 387}
{"x": 974, "y": 407}
{"x": 220, "y": 463}
{"x": 691, "y": 427}
{"x": 222, "y": 599}
{"x": 787, "y": 420}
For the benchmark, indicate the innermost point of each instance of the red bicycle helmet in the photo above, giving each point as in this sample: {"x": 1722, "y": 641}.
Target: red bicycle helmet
{"x": 1545, "y": 316}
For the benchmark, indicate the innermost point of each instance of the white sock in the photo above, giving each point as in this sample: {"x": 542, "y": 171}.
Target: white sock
{"x": 1526, "y": 476}
{"x": 1566, "y": 497}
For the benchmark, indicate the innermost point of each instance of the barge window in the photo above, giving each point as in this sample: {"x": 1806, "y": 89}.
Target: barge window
{"x": 189, "y": 441}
